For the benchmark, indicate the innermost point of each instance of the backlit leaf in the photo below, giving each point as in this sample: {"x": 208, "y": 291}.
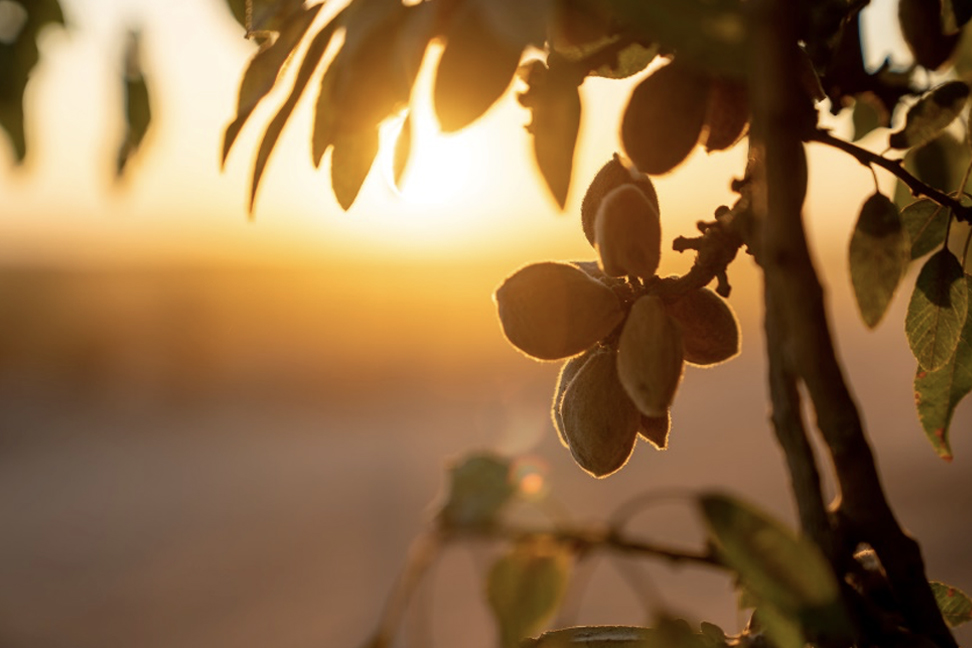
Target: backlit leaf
{"x": 937, "y": 310}
{"x": 525, "y": 587}
{"x": 479, "y": 486}
{"x": 879, "y": 255}
{"x": 263, "y": 71}
{"x": 354, "y": 153}
{"x": 664, "y": 116}
{"x": 403, "y": 150}
{"x": 955, "y": 604}
{"x": 775, "y": 565}
{"x": 714, "y": 34}
{"x": 938, "y": 392}
{"x": 941, "y": 163}
{"x": 371, "y": 77}
{"x": 867, "y": 115}
{"x": 554, "y": 102}
{"x": 312, "y": 59}
{"x": 932, "y": 114}
{"x": 477, "y": 66}
{"x": 925, "y": 32}
{"x": 926, "y": 222}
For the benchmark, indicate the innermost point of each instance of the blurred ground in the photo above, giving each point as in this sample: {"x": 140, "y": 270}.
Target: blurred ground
{"x": 240, "y": 457}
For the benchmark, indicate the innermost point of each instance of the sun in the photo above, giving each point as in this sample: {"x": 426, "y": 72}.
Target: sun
{"x": 439, "y": 169}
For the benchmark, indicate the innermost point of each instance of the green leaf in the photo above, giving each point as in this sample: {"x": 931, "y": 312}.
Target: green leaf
{"x": 477, "y": 65}
{"x": 879, "y": 255}
{"x": 932, "y": 114}
{"x": 937, "y": 311}
{"x": 138, "y": 112}
{"x": 714, "y": 34}
{"x": 776, "y": 566}
{"x": 630, "y": 60}
{"x": 263, "y": 71}
{"x": 941, "y": 163}
{"x": 955, "y": 604}
{"x": 938, "y": 393}
{"x": 354, "y": 153}
{"x": 312, "y": 59}
{"x": 595, "y": 637}
{"x": 867, "y": 115}
{"x": 926, "y": 222}
{"x": 554, "y": 101}
{"x": 479, "y": 487}
{"x": 525, "y": 587}
{"x": 783, "y": 629}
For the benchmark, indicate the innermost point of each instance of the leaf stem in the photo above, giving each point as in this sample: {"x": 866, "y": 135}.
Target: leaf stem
{"x": 917, "y": 187}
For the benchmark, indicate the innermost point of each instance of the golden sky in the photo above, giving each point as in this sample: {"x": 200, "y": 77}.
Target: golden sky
{"x": 177, "y": 205}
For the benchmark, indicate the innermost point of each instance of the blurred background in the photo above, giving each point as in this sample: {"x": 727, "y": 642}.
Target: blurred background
{"x": 222, "y": 431}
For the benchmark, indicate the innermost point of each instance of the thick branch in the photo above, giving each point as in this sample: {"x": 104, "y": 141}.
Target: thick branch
{"x": 792, "y": 283}
{"x": 793, "y": 439}
{"x": 917, "y": 187}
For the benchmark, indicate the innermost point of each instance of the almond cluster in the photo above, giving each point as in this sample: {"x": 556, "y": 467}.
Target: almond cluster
{"x": 625, "y": 346}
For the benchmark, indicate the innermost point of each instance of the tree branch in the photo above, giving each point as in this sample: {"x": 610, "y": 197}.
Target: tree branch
{"x": 795, "y": 293}
{"x": 917, "y": 187}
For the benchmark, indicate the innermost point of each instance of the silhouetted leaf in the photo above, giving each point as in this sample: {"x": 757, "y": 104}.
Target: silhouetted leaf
{"x": 932, "y": 114}
{"x": 879, "y": 255}
{"x": 18, "y": 56}
{"x": 138, "y": 113}
{"x": 524, "y": 587}
{"x": 554, "y": 101}
{"x": 940, "y": 163}
{"x": 629, "y": 60}
{"x": 263, "y": 71}
{"x": 354, "y": 153}
{"x": 371, "y": 77}
{"x": 664, "y": 116}
{"x": 477, "y": 65}
{"x": 312, "y": 59}
{"x": 785, "y": 571}
{"x": 271, "y": 15}
{"x": 926, "y": 222}
{"x": 955, "y": 604}
{"x": 714, "y": 34}
{"x": 937, "y": 310}
{"x": 938, "y": 392}
{"x": 923, "y": 30}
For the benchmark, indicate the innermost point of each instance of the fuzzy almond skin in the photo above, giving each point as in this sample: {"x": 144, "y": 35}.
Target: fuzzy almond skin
{"x": 650, "y": 356}
{"x": 664, "y": 117}
{"x": 567, "y": 373}
{"x": 710, "y": 331}
{"x": 655, "y": 429}
{"x": 554, "y": 310}
{"x": 627, "y": 234}
{"x": 600, "y": 421}
{"x": 615, "y": 173}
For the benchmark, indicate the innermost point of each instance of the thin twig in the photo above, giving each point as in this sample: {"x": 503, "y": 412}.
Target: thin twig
{"x": 917, "y": 187}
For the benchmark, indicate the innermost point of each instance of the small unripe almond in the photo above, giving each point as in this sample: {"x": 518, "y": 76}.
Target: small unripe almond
{"x": 663, "y": 119}
{"x": 567, "y": 373}
{"x": 627, "y": 234}
{"x": 650, "y": 356}
{"x": 554, "y": 310}
{"x": 655, "y": 429}
{"x": 710, "y": 331}
{"x": 612, "y": 175}
{"x": 600, "y": 421}
{"x": 726, "y": 116}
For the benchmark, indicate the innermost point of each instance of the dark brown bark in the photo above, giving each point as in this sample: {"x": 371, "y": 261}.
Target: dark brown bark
{"x": 799, "y": 333}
